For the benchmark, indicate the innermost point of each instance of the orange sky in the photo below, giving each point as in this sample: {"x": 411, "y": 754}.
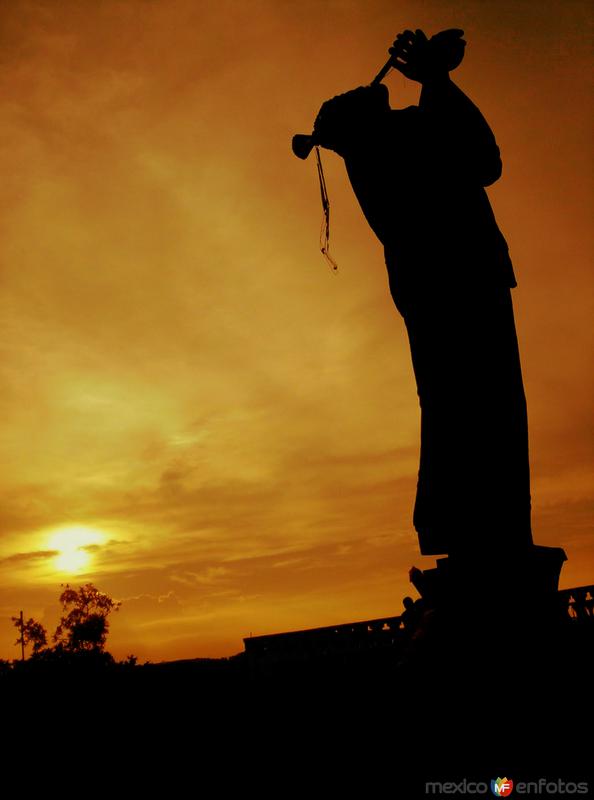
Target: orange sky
{"x": 233, "y": 428}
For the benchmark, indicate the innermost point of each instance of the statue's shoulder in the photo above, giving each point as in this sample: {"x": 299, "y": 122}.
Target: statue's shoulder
{"x": 406, "y": 112}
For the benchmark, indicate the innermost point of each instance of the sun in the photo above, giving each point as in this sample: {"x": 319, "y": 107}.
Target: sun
{"x": 75, "y": 545}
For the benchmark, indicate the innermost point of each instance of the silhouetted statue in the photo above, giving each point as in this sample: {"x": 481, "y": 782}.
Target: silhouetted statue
{"x": 419, "y": 174}
{"x": 413, "y": 611}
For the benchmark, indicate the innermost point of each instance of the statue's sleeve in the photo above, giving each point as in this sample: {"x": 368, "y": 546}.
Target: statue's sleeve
{"x": 349, "y": 122}
{"x": 458, "y": 134}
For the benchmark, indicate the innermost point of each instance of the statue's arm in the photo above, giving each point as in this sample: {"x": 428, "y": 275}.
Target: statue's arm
{"x": 459, "y": 131}
{"x": 349, "y": 122}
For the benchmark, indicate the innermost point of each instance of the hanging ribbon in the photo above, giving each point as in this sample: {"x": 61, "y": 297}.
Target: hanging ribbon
{"x": 325, "y": 229}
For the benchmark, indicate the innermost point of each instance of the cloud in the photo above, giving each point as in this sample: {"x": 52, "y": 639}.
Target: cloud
{"x": 27, "y": 507}
{"x": 27, "y": 558}
{"x": 152, "y": 604}
{"x": 206, "y": 577}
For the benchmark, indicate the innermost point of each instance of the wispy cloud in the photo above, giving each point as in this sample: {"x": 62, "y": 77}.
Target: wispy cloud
{"x": 27, "y": 558}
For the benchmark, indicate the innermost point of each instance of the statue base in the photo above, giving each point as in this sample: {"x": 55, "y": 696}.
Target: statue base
{"x": 473, "y": 608}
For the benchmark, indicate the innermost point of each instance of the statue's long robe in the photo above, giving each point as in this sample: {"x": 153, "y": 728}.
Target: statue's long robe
{"x": 419, "y": 174}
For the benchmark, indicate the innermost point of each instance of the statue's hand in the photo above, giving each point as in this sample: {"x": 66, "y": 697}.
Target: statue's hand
{"x": 410, "y": 54}
{"x": 422, "y": 59}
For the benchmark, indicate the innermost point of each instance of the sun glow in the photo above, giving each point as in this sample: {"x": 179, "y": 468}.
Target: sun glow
{"x": 75, "y": 545}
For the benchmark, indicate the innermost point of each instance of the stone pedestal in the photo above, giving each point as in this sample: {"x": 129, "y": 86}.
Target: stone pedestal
{"x": 483, "y": 614}
{"x": 528, "y": 577}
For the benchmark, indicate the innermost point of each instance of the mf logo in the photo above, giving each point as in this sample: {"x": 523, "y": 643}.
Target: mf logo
{"x": 502, "y": 787}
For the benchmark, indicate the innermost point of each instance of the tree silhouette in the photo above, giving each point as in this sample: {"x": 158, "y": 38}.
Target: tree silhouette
{"x": 84, "y": 625}
{"x": 32, "y": 632}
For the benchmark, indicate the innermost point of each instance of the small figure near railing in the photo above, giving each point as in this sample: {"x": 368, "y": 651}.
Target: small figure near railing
{"x": 413, "y": 611}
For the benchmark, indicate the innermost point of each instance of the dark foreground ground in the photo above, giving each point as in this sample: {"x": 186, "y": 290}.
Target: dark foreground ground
{"x": 458, "y": 704}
